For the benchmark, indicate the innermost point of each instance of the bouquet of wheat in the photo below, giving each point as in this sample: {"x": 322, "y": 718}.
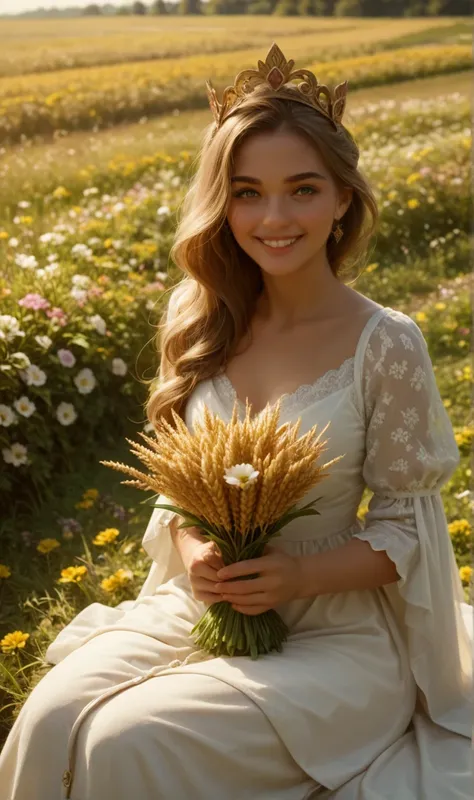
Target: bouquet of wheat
{"x": 238, "y": 483}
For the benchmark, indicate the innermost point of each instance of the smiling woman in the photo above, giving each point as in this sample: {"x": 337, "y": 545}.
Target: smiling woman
{"x": 282, "y": 214}
{"x": 370, "y": 696}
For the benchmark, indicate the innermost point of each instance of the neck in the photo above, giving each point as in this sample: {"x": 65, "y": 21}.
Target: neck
{"x": 290, "y": 300}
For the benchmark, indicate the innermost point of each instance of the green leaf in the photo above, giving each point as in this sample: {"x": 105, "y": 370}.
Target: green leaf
{"x": 193, "y": 520}
{"x": 80, "y": 340}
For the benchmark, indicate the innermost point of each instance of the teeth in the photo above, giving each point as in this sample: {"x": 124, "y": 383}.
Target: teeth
{"x": 280, "y": 243}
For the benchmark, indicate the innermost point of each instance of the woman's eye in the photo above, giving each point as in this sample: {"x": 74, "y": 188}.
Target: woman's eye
{"x": 244, "y": 191}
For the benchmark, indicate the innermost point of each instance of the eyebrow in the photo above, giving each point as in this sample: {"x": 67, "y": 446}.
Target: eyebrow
{"x": 291, "y": 179}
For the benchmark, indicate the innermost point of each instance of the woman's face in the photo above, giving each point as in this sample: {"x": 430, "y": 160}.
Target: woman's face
{"x": 266, "y": 205}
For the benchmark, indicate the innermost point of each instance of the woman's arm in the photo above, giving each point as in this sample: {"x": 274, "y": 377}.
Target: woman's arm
{"x": 353, "y": 566}
{"x": 185, "y": 539}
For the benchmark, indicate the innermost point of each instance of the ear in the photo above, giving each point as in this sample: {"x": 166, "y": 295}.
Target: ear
{"x": 345, "y": 199}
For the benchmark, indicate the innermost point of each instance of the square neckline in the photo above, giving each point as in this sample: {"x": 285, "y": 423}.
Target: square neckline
{"x": 303, "y": 387}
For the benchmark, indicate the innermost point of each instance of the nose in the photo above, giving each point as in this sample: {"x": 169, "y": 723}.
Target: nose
{"x": 275, "y": 213}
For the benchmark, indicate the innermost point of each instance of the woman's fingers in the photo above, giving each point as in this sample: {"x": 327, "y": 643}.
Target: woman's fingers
{"x": 248, "y": 601}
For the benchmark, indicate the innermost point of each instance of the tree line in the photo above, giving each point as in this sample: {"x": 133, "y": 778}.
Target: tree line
{"x": 302, "y": 8}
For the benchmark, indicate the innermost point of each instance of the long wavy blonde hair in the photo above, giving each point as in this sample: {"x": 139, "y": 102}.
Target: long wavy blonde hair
{"x": 210, "y": 309}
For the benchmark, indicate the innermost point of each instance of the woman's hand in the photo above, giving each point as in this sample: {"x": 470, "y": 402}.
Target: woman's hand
{"x": 279, "y": 581}
{"x": 202, "y": 562}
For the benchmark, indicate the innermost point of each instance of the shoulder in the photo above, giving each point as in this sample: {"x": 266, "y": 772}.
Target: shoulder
{"x": 395, "y": 332}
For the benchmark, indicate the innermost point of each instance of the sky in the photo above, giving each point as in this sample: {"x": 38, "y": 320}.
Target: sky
{"x": 17, "y": 6}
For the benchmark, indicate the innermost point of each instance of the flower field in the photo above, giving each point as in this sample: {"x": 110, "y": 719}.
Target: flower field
{"x": 85, "y": 272}
{"x": 105, "y": 96}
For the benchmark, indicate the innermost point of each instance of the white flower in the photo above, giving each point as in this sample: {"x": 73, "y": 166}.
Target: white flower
{"x": 44, "y": 341}
{"x": 240, "y": 475}
{"x": 98, "y": 323}
{"x": 81, "y": 250}
{"x": 16, "y": 455}
{"x": 66, "y": 413}
{"x": 161, "y": 276}
{"x": 94, "y": 240}
{"x": 53, "y": 267}
{"x": 7, "y": 416}
{"x": 52, "y": 236}
{"x": 26, "y": 262}
{"x": 66, "y": 358}
{"x": 78, "y": 294}
{"x": 20, "y": 360}
{"x": 119, "y": 366}
{"x": 24, "y": 204}
{"x": 85, "y": 381}
{"x": 24, "y": 406}
{"x": 91, "y": 190}
{"x": 13, "y": 241}
{"x": 9, "y": 327}
{"x": 33, "y": 376}
{"x": 163, "y": 211}
{"x": 81, "y": 281}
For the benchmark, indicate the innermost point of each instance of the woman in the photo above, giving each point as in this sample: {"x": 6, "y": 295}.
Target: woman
{"x": 369, "y": 698}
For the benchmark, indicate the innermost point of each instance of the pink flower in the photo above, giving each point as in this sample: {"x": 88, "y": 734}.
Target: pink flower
{"x": 58, "y": 315}
{"x": 464, "y": 331}
{"x": 34, "y": 301}
{"x": 66, "y": 358}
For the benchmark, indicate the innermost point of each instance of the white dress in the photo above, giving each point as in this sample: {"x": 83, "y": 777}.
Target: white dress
{"x": 371, "y": 696}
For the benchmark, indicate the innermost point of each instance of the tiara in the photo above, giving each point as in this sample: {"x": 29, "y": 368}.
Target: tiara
{"x": 274, "y": 73}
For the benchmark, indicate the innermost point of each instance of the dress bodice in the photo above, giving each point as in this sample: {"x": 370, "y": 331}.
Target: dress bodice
{"x": 334, "y": 398}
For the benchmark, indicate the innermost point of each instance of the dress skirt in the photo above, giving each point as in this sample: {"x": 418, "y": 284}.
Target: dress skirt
{"x": 163, "y": 727}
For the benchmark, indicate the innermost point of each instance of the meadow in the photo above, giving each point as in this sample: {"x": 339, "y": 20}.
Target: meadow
{"x": 88, "y": 207}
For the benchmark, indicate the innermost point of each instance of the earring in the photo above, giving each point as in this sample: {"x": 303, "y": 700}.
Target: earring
{"x": 338, "y": 233}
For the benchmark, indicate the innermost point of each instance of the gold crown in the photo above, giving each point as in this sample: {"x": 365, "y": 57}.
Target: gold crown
{"x": 275, "y": 73}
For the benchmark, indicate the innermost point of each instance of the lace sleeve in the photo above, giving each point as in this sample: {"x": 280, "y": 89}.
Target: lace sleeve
{"x": 411, "y": 452}
{"x": 410, "y": 440}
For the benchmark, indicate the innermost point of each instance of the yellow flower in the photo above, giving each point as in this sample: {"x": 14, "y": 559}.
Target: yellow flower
{"x": 440, "y": 306}
{"x": 392, "y": 195}
{"x": 413, "y": 203}
{"x": 72, "y": 574}
{"x": 3, "y": 235}
{"x": 84, "y": 504}
{"x": 371, "y": 267}
{"x": 465, "y": 573}
{"x": 90, "y": 494}
{"x": 46, "y": 545}
{"x": 5, "y": 571}
{"x": 106, "y": 537}
{"x": 464, "y": 436}
{"x": 420, "y": 316}
{"x": 459, "y": 526}
{"x": 14, "y": 641}
{"x": 60, "y": 192}
{"x": 415, "y": 176}
{"x": 117, "y": 580}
